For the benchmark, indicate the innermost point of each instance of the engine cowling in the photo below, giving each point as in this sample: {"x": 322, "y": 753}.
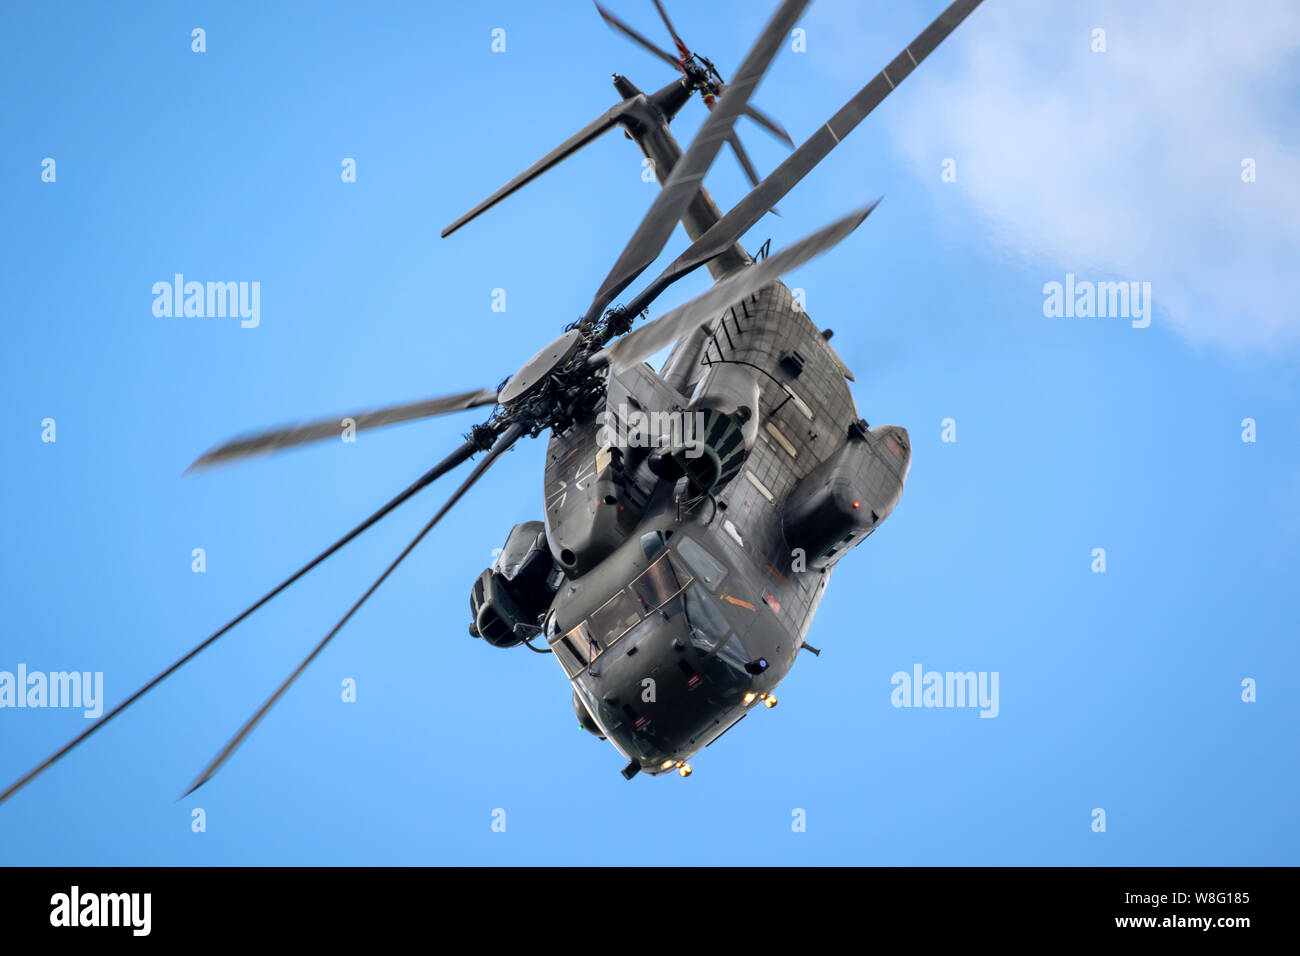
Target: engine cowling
{"x": 845, "y": 498}
{"x": 717, "y": 430}
{"x": 510, "y": 598}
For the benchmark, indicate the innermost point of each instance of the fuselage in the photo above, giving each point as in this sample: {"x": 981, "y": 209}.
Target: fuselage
{"x": 676, "y": 618}
{"x": 693, "y": 515}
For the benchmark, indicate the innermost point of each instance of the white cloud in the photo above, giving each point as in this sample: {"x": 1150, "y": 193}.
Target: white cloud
{"x": 1127, "y": 164}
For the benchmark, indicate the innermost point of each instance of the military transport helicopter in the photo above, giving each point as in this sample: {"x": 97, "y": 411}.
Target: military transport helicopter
{"x": 692, "y": 516}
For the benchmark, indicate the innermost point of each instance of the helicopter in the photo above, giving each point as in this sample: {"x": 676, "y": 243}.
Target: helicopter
{"x": 692, "y": 516}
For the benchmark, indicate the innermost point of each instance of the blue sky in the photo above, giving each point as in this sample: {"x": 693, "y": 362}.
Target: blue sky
{"x": 1120, "y": 691}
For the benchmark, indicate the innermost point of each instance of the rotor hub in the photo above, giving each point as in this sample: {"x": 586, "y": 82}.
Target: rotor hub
{"x": 538, "y": 370}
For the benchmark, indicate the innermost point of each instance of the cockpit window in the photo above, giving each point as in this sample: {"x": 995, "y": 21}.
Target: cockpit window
{"x": 709, "y": 627}
{"x": 652, "y": 544}
{"x": 667, "y": 587}
{"x": 613, "y": 619}
{"x": 659, "y": 582}
{"x": 703, "y": 564}
{"x": 573, "y": 649}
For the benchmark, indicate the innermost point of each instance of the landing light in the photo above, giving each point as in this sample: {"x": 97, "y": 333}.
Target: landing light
{"x": 769, "y": 701}
{"x": 667, "y": 764}
{"x": 748, "y": 698}
{"x": 684, "y": 769}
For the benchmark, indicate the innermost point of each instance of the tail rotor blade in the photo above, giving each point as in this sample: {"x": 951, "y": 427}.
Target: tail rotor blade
{"x": 638, "y": 38}
{"x": 731, "y": 227}
{"x": 799, "y": 163}
{"x": 507, "y": 438}
{"x": 684, "y": 181}
{"x": 681, "y": 47}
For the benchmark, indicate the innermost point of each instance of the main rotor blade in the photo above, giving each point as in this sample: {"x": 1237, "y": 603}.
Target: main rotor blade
{"x": 636, "y": 37}
{"x": 279, "y": 438}
{"x": 798, "y": 164}
{"x": 684, "y": 181}
{"x": 457, "y": 457}
{"x": 570, "y": 146}
{"x": 506, "y": 439}
{"x": 769, "y": 124}
{"x": 653, "y": 336}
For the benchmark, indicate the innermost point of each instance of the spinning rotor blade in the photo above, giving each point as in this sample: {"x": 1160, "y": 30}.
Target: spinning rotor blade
{"x": 684, "y": 182}
{"x": 743, "y": 158}
{"x": 681, "y": 47}
{"x": 798, "y": 164}
{"x": 769, "y": 124}
{"x": 566, "y": 149}
{"x": 636, "y": 37}
{"x": 653, "y": 336}
{"x": 507, "y": 438}
{"x": 280, "y": 438}
{"x": 747, "y": 165}
{"x": 457, "y": 457}
{"x": 753, "y": 112}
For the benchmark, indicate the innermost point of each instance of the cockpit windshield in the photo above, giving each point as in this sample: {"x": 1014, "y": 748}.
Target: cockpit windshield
{"x": 708, "y": 627}
{"x": 658, "y": 584}
{"x": 674, "y": 584}
{"x": 613, "y": 619}
{"x": 574, "y": 649}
